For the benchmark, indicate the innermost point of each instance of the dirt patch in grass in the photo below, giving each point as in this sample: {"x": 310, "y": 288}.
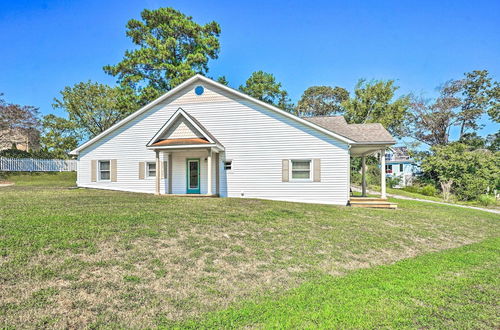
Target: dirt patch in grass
{"x": 75, "y": 258}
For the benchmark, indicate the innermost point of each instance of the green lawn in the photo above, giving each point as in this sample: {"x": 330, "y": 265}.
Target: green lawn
{"x": 50, "y": 179}
{"x": 452, "y": 289}
{"x": 84, "y": 258}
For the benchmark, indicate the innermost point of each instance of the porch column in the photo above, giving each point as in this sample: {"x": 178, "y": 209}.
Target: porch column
{"x": 382, "y": 174}
{"x": 363, "y": 176}
{"x": 209, "y": 172}
{"x": 157, "y": 177}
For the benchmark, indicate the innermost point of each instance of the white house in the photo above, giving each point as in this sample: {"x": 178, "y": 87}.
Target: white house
{"x": 205, "y": 138}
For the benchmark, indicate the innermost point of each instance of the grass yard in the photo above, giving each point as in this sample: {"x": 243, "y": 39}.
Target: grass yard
{"x": 452, "y": 289}
{"x": 74, "y": 258}
{"x": 50, "y": 179}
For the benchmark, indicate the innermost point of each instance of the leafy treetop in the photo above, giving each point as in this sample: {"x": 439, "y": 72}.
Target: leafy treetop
{"x": 94, "y": 107}
{"x": 171, "y": 48}
{"x": 322, "y": 101}
{"x": 15, "y": 118}
{"x": 263, "y": 86}
{"x": 373, "y": 102}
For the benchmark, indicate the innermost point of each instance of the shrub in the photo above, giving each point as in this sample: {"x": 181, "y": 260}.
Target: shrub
{"x": 14, "y": 153}
{"x": 464, "y": 172}
{"x": 393, "y": 181}
{"x": 412, "y": 189}
{"x": 428, "y": 190}
{"x": 486, "y": 200}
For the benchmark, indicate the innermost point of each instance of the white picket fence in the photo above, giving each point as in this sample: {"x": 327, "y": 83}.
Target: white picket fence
{"x": 37, "y": 165}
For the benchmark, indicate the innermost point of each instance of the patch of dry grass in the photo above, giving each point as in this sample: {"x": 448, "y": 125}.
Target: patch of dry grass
{"x": 73, "y": 258}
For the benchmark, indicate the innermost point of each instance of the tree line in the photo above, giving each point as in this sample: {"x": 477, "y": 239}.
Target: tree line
{"x": 170, "y": 47}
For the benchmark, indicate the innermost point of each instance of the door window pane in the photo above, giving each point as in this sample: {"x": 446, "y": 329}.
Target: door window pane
{"x": 193, "y": 175}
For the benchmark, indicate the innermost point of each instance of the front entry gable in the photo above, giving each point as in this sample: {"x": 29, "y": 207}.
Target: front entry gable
{"x": 181, "y": 129}
{"x": 184, "y": 130}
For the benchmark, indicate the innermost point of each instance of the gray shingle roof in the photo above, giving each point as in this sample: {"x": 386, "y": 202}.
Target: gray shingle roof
{"x": 361, "y": 133}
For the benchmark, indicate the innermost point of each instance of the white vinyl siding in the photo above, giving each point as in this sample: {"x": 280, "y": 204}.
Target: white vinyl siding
{"x": 257, "y": 139}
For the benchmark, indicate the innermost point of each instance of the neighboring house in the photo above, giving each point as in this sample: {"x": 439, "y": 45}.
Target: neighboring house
{"x": 205, "y": 138}
{"x": 399, "y": 164}
{"x": 17, "y": 139}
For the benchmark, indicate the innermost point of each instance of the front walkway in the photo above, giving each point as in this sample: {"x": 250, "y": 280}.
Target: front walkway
{"x": 429, "y": 201}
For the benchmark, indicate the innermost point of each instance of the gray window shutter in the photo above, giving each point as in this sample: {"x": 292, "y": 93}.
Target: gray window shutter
{"x": 317, "y": 170}
{"x": 285, "y": 170}
{"x": 142, "y": 170}
{"x": 93, "y": 170}
{"x": 113, "y": 170}
{"x": 164, "y": 172}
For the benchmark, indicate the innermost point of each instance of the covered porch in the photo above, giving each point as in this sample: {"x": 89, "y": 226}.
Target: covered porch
{"x": 367, "y": 139}
{"x": 187, "y": 158}
{"x": 193, "y": 172}
{"x": 363, "y": 151}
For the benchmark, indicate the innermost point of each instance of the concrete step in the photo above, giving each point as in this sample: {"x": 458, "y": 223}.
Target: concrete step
{"x": 193, "y": 195}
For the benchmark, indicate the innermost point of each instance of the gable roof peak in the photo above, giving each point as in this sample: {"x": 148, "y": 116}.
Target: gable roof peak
{"x": 225, "y": 88}
{"x": 195, "y": 123}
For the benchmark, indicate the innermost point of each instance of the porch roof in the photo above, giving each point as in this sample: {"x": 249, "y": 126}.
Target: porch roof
{"x": 373, "y": 133}
{"x": 178, "y": 142}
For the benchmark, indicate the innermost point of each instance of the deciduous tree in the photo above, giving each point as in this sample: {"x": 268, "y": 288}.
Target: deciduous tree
{"x": 430, "y": 121}
{"x": 476, "y": 99}
{"x": 263, "y": 86}
{"x": 374, "y": 102}
{"x": 59, "y": 136}
{"x": 468, "y": 173}
{"x": 461, "y": 103}
{"x": 322, "y": 101}
{"x": 18, "y": 119}
{"x": 94, "y": 107}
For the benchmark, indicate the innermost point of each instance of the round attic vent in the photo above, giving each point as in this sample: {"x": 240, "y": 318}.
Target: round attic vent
{"x": 199, "y": 90}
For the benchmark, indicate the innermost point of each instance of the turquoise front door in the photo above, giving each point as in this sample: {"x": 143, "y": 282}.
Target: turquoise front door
{"x": 193, "y": 175}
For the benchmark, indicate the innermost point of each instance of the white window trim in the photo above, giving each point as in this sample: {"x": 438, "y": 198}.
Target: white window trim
{"x": 99, "y": 170}
{"x": 146, "y": 169}
{"x": 290, "y": 170}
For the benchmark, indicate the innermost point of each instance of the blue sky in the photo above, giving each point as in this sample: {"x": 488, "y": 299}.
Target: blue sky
{"x": 47, "y": 45}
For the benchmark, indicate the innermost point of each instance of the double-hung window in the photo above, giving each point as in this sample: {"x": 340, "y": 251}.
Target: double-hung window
{"x": 301, "y": 169}
{"x": 104, "y": 170}
{"x": 151, "y": 169}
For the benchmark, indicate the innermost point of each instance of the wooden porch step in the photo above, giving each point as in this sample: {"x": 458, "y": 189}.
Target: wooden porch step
{"x": 372, "y": 203}
{"x": 368, "y": 199}
{"x": 377, "y": 206}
